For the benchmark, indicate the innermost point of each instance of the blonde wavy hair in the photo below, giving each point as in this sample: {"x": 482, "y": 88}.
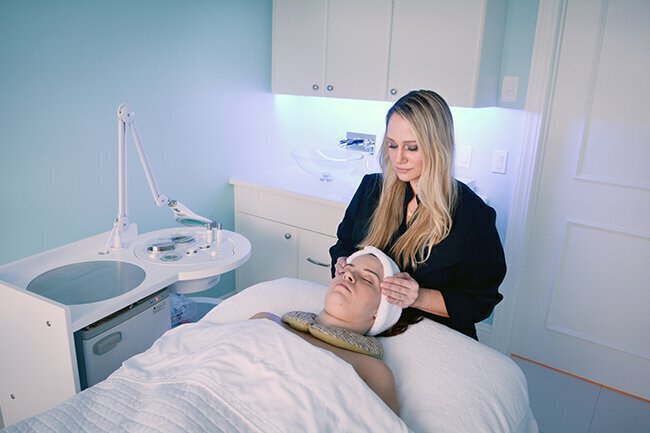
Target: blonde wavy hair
{"x": 430, "y": 118}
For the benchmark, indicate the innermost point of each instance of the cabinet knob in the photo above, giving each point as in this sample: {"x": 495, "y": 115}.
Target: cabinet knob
{"x": 393, "y": 92}
{"x": 314, "y": 87}
{"x": 329, "y": 87}
{"x": 287, "y": 235}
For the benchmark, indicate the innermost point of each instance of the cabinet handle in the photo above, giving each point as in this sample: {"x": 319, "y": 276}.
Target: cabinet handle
{"x": 329, "y": 87}
{"x": 287, "y": 235}
{"x": 314, "y": 87}
{"x": 317, "y": 263}
{"x": 393, "y": 92}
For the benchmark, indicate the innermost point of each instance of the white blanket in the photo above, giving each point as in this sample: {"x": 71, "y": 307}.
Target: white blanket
{"x": 249, "y": 376}
{"x": 191, "y": 380}
{"x": 446, "y": 382}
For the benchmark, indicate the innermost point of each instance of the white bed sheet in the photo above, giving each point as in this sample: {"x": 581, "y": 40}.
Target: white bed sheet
{"x": 446, "y": 382}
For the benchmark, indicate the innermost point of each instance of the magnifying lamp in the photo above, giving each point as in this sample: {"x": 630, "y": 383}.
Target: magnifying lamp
{"x": 182, "y": 215}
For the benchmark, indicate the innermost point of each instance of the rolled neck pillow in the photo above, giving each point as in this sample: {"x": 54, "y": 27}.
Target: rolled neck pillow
{"x": 339, "y": 337}
{"x": 387, "y": 313}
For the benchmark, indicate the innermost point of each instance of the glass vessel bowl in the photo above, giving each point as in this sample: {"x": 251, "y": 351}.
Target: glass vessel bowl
{"x": 327, "y": 164}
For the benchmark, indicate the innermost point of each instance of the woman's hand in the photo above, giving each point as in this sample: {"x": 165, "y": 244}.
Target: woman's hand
{"x": 401, "y": 289}
{"x": 339, "y": 265}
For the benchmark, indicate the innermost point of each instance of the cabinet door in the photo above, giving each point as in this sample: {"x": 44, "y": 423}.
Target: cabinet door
{"x": 451, "y": 47}
{"x": 274, "y": 250}
{"x": 314, "y": 257}
{"x": 358, "y": 39}
{"x": 299, "y": 29}
{"x": 336, "y": 48}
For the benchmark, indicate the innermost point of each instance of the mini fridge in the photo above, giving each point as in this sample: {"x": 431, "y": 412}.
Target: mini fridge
{"x": 103, "y": 346}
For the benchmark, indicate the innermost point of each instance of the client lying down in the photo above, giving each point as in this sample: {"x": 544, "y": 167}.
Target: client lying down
{"x": 254, "y": 375}
{"x": 354, "y": 312}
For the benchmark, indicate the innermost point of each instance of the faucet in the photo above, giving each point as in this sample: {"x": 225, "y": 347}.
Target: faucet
{"x": 359, "y": 144}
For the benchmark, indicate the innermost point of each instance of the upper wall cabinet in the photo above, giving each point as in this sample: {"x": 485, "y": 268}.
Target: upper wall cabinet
{"x": 336, "y": 48}
{"x": 381, "y": 49}
{"x": 452, "y": 47}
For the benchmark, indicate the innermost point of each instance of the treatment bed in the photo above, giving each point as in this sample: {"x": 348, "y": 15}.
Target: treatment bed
{"x": 228, "y": 374}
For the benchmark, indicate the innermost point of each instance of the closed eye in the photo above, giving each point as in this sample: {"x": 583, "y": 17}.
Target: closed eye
{"x": 371, "y": 278}
{"x": 411, "y": 147}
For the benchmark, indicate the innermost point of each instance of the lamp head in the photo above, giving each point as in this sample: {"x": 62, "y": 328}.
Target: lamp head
{"x": 183, "y": 215}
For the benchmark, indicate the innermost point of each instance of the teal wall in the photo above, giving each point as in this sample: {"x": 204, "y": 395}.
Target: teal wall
{"x": 197, "y": 74}
{"x": 518, "y": 46}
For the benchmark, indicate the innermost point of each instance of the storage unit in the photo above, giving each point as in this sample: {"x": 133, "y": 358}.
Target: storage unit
{"x": 451, "y": 47}
{"x": 381, "y": 49}
{"x": 103, "y": 346}
{"x": 336, "y": 48}
{"x": 38, "y": 317}
{"x": 290, "y": 232}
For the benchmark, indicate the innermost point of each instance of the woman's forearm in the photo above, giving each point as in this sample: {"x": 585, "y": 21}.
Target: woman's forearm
{"x": 431, "y": 301}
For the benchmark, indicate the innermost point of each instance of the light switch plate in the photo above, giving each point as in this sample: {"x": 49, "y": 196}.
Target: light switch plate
{"x": 499, "y": 161}
{"x": 464, "y": 157}
{"x": 509, "y": 88}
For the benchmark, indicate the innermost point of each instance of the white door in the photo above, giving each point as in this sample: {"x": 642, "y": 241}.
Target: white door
{"x": 584, "y": 293}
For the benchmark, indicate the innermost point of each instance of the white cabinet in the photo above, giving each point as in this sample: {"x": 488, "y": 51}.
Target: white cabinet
{"x": 290, "y": 234}
{"x": 274, "y": 250}
{"x": 336, "y": 48}
{"x": 299, "y": 46}
{"x": 381, "y": 49}
{"x": 451, "y": 47}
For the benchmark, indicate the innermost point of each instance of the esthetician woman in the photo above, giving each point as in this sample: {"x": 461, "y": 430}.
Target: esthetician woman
{"x": 439, "y": 232}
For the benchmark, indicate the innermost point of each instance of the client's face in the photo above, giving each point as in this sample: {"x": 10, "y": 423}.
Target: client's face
{"x": 354, "y": 296}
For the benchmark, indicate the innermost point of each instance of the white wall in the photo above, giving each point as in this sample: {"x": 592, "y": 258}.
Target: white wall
{"x": 311, "y": 122}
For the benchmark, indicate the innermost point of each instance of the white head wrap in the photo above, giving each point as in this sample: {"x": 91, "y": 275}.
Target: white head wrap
{"x": 387, "y": 313}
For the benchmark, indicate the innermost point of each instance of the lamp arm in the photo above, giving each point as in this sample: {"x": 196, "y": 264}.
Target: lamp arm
{"x": 160, "y": 199}
{"x": 182, "y": 215}
{"x": 122, "y": 223}
{"x": 126, "y": 120}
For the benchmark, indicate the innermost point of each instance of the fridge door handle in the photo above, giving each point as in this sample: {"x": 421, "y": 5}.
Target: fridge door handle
{"x": 107, "y": 343}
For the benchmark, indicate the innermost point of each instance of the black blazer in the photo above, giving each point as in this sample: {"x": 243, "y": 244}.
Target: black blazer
{"x": 467, "y": 266}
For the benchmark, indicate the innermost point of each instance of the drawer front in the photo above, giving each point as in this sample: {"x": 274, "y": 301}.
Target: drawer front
{"x": 303, "y": 213}
{"x": 313, "y": 257}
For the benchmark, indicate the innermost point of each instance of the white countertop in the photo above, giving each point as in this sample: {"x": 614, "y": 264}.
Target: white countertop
{"x": 294, "y": 180}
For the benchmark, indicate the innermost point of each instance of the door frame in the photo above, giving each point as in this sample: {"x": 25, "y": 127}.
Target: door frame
{"x": 543, "y": 68}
